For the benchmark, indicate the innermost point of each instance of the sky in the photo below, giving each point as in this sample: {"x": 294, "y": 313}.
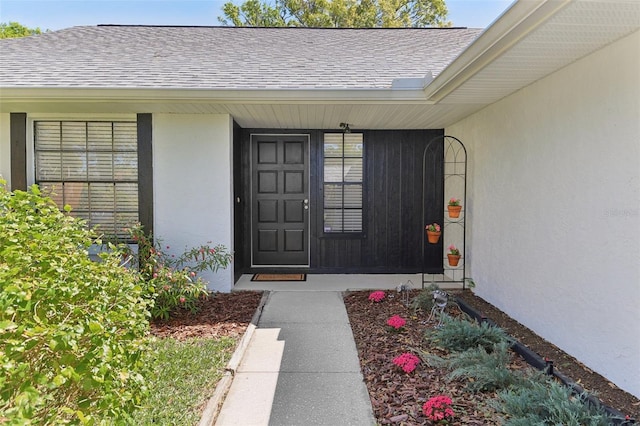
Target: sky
{"x": 58, "y": 14}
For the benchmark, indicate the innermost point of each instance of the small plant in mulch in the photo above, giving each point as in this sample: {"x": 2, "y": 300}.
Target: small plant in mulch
{"x": 461, "y": 334}
{"x": 172, "y": 281}
{"x": 542, "y": 400}
{"x": 438, "y": 409}
{"x": 425, "y": 300}
{"x": 377, "y": 296}
{"x": 484, "y": 371}
{"x": 396, "y": 323}
{"x": 407, "y": 361}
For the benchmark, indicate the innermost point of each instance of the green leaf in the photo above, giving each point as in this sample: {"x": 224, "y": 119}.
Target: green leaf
{"x": 59, "y": 380}
{"x": 7, "y": 325}
{"x": 95, "y": 327}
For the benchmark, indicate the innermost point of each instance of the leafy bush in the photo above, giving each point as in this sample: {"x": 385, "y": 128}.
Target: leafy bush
{"x": 72, "y": 331}
{"x": 424, "y": 300}
{"x": 488, "y": 371}
{"x": 172, "y": 282}
{"x": 546, "y": 402}
{"x": 461, "y": 334}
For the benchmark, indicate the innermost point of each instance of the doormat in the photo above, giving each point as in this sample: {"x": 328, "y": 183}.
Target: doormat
{"x": 279, "y": 277}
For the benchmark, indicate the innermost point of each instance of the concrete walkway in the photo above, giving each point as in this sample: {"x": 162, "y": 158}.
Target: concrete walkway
{"x": 300, "y": 368}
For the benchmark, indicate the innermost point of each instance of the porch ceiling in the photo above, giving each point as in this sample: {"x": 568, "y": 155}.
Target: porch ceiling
{"x": 410, "y": 115}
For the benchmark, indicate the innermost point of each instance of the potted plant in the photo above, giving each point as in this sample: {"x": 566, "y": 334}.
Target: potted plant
{"x": 433, "y": 233}
{"x": 453, "y": 255}
{"x": 454, "y": 207}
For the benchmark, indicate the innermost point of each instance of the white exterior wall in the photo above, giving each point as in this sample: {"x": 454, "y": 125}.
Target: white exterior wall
{"x": 554, "y": 208}
{"x": 193, "y": 184}
{"x": 5, "y": 148}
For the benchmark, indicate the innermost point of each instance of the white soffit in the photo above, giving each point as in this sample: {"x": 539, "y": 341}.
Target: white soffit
{"x": 578, "y": 29}
{"x": 278, "y": 115}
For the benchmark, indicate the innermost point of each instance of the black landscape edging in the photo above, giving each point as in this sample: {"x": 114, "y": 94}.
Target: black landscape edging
{"x": 536, "y": 361}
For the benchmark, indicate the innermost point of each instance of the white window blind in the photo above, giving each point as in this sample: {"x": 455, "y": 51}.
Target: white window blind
{"x": 343, "y": 171}
{"x": 93, "y": 167}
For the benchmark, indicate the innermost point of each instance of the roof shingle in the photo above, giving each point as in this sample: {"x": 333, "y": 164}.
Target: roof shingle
{"x": 228, "y": 57}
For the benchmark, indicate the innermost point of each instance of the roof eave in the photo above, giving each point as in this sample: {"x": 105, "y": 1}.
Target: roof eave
{"x": 236, "y": 96}
{"x": 513, "y": 25}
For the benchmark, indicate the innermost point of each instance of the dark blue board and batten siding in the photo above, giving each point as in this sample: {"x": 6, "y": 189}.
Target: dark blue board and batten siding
{"x": 392, "y": 238}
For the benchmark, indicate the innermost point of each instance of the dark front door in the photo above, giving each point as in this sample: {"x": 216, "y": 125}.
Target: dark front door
{"x": 280, "y": 200}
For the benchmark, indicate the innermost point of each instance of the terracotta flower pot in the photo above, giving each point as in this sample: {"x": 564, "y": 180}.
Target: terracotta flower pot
{"x": 454, "y": 211}
{"x": 433, "y": 236}
{"x": 453, "y": 259}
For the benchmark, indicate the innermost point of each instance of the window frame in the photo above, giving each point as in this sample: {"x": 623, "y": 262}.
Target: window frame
{"x": 343, "y": 234}
{"x": 84, "y": 118}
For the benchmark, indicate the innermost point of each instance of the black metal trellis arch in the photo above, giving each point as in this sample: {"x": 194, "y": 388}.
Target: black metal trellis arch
{"x": 454, "y": 181}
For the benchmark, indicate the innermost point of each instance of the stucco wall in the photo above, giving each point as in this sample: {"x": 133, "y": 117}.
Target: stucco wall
{"x": 554, "y": 208}
{"x": 193, "y": 184}
{"x": 5, "y": 148}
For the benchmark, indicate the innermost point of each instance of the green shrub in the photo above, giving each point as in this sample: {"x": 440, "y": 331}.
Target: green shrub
{"x": 173, "y": 282}
{"x": 72, "y": 331}
{"x": 544, "y": 401}
{"x": 424, "y": 300}
{"x": 461, "y": 334}
{"x": 488, "y": 371}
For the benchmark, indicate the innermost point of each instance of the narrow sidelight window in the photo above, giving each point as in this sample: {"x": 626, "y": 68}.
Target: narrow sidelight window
{"x": 93, "y": 167}
{"x": 343, "y": 165}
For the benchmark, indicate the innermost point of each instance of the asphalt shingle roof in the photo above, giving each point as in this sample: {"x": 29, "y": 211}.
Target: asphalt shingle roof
{"x": 227, "y": 57}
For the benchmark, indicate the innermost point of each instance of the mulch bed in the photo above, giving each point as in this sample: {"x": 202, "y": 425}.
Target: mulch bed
{"x": 219, "y": 315}
{"x": 397, "y": 397}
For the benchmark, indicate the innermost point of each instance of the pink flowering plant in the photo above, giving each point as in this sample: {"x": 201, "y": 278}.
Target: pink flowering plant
{"x": 453, "y": 250}
{"x": 454, "y": 202}
{"x": 396, "y": 322}
{"x": 438, "y": 409}
{"x": 172, "y": 281}
{"x": 407, "y": 361}
{"x": 377, "y": 296}
{"x": 433, "y": 227}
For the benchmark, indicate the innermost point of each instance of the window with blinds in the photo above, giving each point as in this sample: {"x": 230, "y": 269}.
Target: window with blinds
{"x": 343, "y": 166}
{"x": 93, "y": 167}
